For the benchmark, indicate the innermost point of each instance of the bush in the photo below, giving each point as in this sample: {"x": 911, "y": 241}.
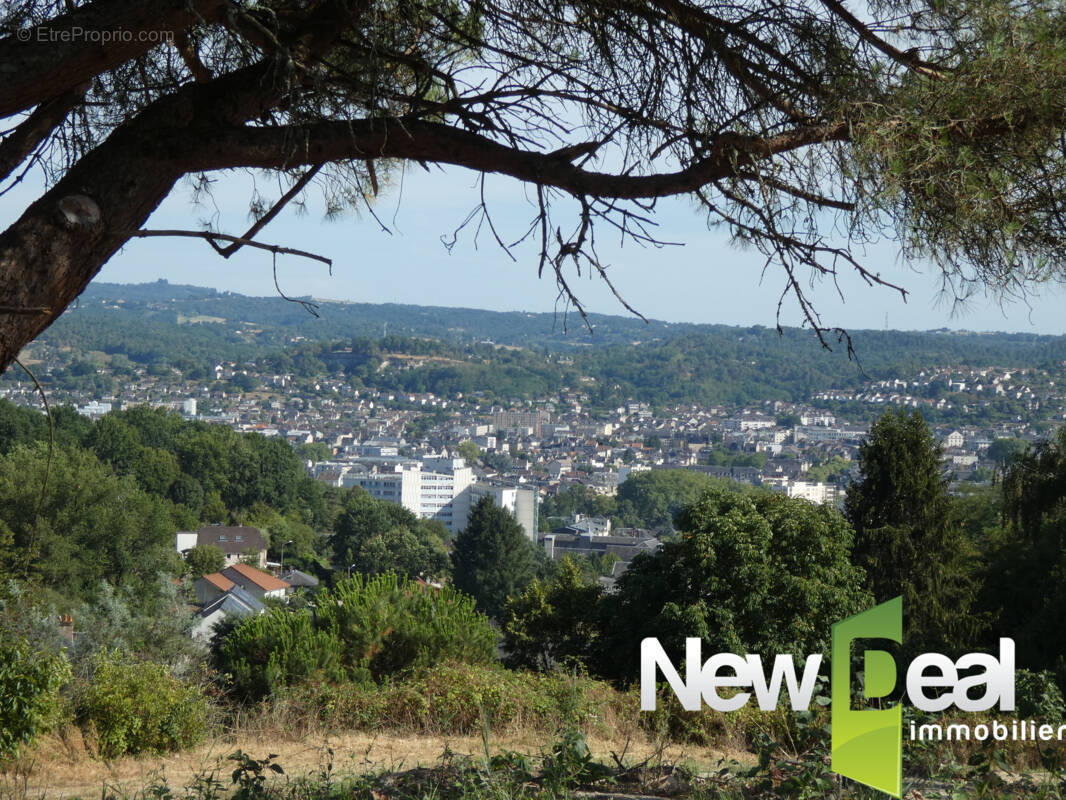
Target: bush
{"x": 553, "y": 622}
{"x": 131, "y": 706}
{"x": 204, "y": 559}
{"x": 390, "y": 626}
{"x": 458, "y": 699}
{"x": 29, "y": 692}
{"x": 282, "y": 647}
{"x": 366, "y": 629}
{"x": 1039, "y": 696}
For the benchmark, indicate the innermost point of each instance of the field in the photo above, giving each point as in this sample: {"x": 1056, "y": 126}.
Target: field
{"x": 61, "y": 767}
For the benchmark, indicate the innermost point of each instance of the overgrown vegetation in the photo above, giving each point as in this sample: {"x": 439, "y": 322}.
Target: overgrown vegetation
{"x": 29, "y": 692}
{"x": 130, "y": 706}
{"x": 364, "y": 630}
{"x": 746, "y": 571}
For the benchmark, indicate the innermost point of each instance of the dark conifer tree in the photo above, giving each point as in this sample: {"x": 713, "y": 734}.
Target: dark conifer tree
{"x": 492, "y": 559}
{"x": 905, "y": 535}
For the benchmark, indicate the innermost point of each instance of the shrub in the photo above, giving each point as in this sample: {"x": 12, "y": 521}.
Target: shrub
{"x": 279, "y": 648}
{"x": 553, "y": 622}
{"x": 1039, "y": 696}
{"x": 457, "y": 699}
{"x": 131, "y": 706}
{"x": 29, "y": 692}
{"x": 366, "y": 629}
{"x": 390, "y": 626}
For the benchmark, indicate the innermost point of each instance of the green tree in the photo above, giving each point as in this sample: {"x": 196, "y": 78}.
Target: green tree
{"x": 300, "y": 541}
{"x": 650, "y": 499}
{"x": 577, "y": 499}
{"x": 187, "y": 491}
{"x": 314, "y": 451}
{"x": 156, "y": 470}
{"x": 553, "y": 622}
{"x": 115, "y": 442}
{"x": 19, "y": 425}
{"x": 204, "y": 559}
{"x": 373, "y": 536}
{"x": 906, "y": 536}
{"x": 491, "y": 557}
{"x": 468, "y": 450}
{"x": 214, "y": 510}
{"x": 91, "y": 526}
{"x": 242, "y": 382}
{"x": 1024, "y": 588}
{"x": 1003, "y": 451}
{"x": 832, "y": 470}
{"x": 749, "y": 573}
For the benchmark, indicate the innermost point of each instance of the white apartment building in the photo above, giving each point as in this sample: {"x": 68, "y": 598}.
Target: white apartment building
{"x": 443, "y": 492}
{"x": 522, "y": 501}
{"x": 438, "y": 488}
{"x": 434, "y": 488}
{"x": 400, "y": 484}
{"x": 819, "y": 493}
{"x": 748, "y": 422}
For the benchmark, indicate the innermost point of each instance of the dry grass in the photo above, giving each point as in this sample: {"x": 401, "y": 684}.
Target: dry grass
{"x": 60, "y": 766}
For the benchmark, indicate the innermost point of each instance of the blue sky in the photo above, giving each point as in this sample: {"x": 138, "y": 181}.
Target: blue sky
{"x": 707, "y": 280}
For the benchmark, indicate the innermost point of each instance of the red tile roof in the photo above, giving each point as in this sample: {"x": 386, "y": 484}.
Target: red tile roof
{"x": 220, "y": 581}
{"x": 263, "y": 580}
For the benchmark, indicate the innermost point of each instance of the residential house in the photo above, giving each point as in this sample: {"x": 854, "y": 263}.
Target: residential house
{"x": 233, "y": 602}
{"x": 235, "y": 541}
{"x": 257, "y": 583}
{"x": 254, "y": 581}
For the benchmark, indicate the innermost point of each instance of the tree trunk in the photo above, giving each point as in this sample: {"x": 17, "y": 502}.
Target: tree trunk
{"x": 56, "y": 247}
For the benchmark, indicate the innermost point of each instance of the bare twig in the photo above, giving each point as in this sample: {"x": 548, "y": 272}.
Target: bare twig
{"x": 210, "y": 237}
{"x": 48, "y": 464}
{"x": 264, "y": 220}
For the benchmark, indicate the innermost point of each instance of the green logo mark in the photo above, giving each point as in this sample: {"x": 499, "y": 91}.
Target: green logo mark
{"x": 867, "y": 744}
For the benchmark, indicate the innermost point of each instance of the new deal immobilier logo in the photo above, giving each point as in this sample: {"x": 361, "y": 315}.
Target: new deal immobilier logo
{"x": 867, "y": 743}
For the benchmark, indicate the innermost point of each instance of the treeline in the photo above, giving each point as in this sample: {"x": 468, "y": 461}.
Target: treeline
{"x": 729, "y": 366}
{"x": 85, "y": 502}
{"x": 276, "y": 317}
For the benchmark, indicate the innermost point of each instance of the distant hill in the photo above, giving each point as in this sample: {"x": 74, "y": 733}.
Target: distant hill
{"x": 338, "y": 319}
{"x": 515, "y": 355}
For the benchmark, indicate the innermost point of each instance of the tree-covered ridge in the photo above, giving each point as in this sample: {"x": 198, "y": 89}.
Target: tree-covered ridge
{"x": 727, "y": 366}
{"x": 210, "y": 309}
{"x": 504, "y": 356}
